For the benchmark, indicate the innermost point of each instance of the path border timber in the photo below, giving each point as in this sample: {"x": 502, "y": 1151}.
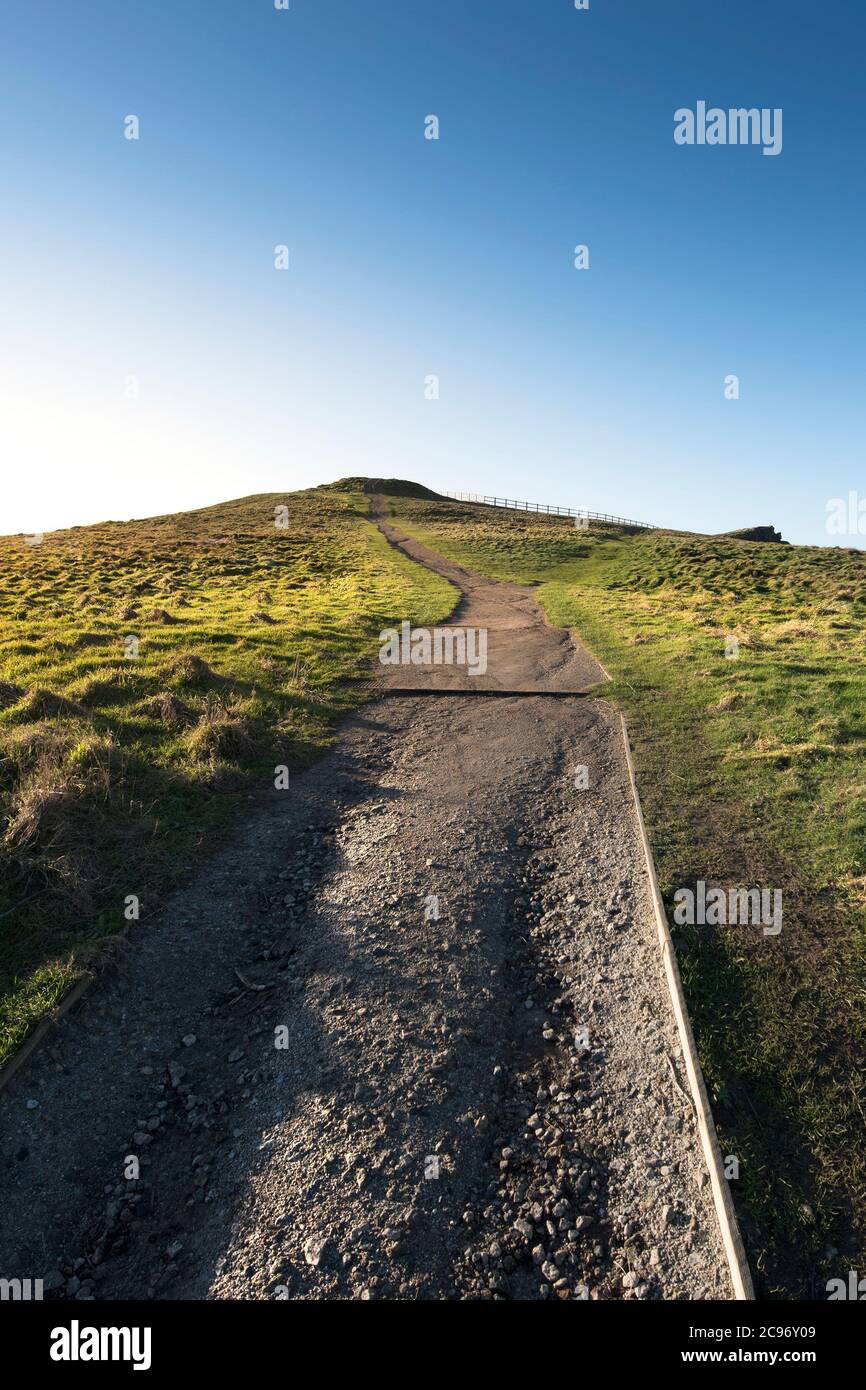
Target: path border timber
{"x": 738, "y": 1264}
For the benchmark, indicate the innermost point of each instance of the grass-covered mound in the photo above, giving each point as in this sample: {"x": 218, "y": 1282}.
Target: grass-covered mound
{"x": 394, "y": 487}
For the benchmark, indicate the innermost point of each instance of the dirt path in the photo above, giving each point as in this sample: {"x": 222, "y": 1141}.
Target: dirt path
{"x": 408, "y": 1038}
{"x": 524, "y": 653}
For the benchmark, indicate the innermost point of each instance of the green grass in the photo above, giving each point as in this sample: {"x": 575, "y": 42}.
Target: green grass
{"x": 752, "y": 771}
{"x": 116, "y": 773}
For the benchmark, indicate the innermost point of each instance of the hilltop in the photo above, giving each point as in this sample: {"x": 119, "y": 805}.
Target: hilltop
{"x": 392, "y": 487}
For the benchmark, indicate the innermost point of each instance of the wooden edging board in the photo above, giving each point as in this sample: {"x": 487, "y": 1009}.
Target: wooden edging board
{"x": 41, "y": 1031}
{"x": 731, "y": 1239}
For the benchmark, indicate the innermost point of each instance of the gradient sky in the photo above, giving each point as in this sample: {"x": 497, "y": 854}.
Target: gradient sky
{"x": 604, "y": 388}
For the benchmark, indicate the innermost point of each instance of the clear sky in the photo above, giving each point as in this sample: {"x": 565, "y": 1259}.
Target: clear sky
{"x": 153, "y": 259}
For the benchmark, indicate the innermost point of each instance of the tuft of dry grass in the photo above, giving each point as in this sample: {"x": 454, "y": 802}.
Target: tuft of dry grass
{"x": 728, "y": 701}
{"x": 94, "y": 639}
{"x": 10, "y": 694}
{"x": 103, "y": 684}
{"x": 220, "y": 735}
{"x": 62, "y": 772}
{"x": 297, "y": 678}
{"x": 187, "y": 668}
{"x": 795, "y": 628}
{"x": 168, "y": 709}
{"x": 39, "y": 703}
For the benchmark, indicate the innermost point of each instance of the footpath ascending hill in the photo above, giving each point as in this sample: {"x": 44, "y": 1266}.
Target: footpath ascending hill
{"x": 741, "y": 665}
{"x": 408, "y": 1037}
{"x": 521, "y": 651}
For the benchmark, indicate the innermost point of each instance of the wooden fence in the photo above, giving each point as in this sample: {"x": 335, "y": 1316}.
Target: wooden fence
{"x": 578, "y": 513}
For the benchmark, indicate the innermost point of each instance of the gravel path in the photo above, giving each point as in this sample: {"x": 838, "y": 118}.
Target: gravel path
{"x": 524, "y": 653}
{"x": 408, "y": 1037}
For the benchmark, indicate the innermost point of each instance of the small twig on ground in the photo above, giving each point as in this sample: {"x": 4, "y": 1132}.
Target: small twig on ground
{"x": 10, "y": 910}
{"x": 246, "y": 984}
{"x": 676, "y": 1081}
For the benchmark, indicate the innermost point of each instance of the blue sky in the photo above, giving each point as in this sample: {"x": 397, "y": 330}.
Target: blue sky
{"x": 153, "y": 259}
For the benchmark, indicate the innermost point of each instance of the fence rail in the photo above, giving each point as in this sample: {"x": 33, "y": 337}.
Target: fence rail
{"x": 578, "y": 513}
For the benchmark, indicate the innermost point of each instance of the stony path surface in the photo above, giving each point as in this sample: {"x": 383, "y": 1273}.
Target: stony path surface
{"x": 407, "y": 1038}
{"x": 524, "y": 653}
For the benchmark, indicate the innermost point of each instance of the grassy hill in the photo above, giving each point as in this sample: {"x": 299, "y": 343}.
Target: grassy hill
{"x": 120, "y": 759}
{"x": 751, "y": 771}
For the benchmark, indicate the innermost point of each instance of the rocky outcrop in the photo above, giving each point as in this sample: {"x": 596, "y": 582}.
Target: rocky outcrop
{"x": 756, "y": 533}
